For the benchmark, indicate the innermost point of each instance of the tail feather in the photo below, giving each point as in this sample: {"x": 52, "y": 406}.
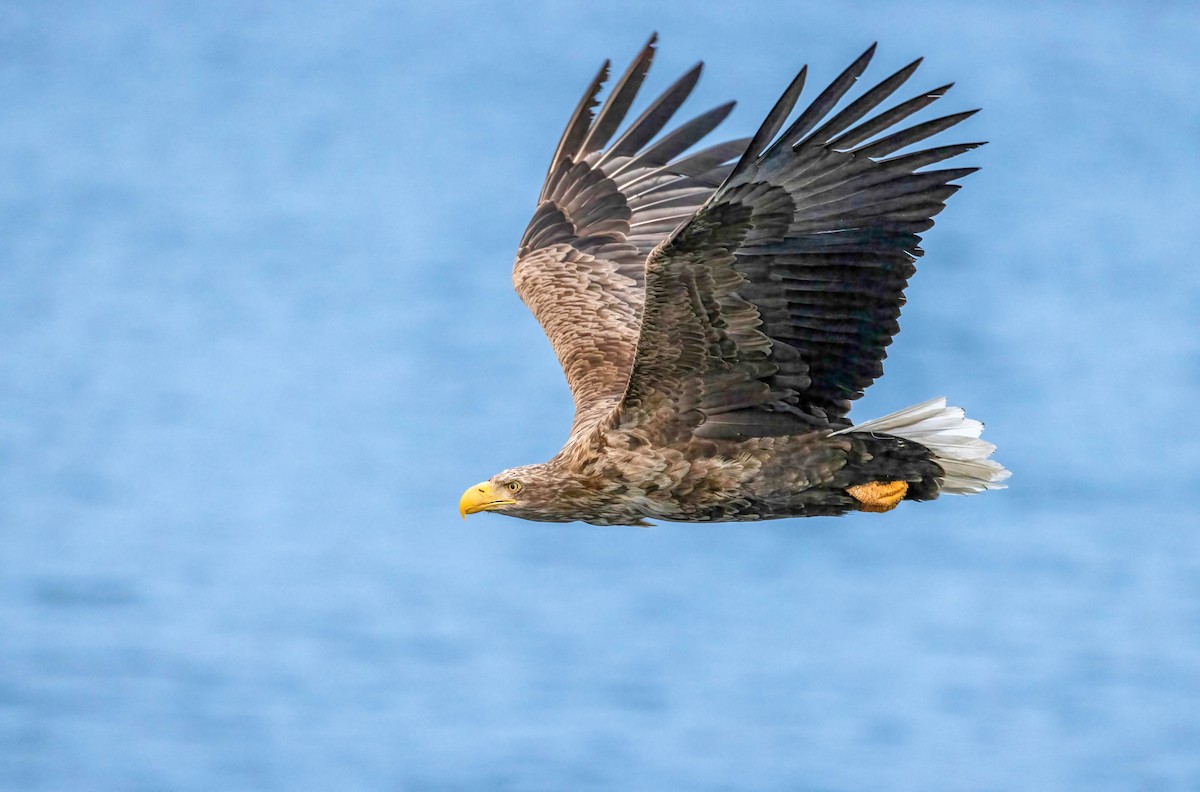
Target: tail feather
{"x": 952, "y": 437}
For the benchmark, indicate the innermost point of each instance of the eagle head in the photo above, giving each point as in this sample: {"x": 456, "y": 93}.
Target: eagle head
{"x": 531, "y": 492}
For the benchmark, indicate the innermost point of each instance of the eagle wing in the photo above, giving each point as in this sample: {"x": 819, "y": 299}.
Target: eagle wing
{"x": 580, "y": 266}
{"x": 770, "y": 310}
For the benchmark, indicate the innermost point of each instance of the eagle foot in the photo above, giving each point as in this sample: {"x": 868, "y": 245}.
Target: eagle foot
{"x": 878, "y": 496}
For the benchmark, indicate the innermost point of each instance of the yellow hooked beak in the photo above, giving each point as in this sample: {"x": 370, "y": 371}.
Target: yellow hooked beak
{"x": 481, "y": 497}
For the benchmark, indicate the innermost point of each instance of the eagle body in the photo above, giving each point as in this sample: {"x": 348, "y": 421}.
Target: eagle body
{"x": 620, "y": 479}
{"x": 716, "y": 312}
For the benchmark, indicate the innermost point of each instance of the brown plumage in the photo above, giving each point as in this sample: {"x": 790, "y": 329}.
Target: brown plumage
{"x": 715, "y": 313}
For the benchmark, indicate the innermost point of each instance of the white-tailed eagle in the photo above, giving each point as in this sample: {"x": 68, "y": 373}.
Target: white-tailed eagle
{"x": 716, "y": 312}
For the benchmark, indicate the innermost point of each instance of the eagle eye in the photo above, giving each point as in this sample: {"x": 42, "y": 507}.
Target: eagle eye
{"x": 513, "y": 486}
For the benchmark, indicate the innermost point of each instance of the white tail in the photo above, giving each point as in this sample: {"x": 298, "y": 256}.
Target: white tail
{"x": 952, "y": 437}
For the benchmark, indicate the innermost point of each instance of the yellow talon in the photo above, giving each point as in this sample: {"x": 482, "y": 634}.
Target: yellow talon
{"x": 879, "y": 496}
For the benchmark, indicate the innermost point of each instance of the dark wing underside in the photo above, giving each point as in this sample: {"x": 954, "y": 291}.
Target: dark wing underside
{"x": 603, "y": 208}
{"x": 770, "y": 311}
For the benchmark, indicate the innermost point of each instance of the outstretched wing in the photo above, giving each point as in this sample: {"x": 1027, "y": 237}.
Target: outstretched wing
{"x": 603, "y": 208}
{"x": 771, "y": 309}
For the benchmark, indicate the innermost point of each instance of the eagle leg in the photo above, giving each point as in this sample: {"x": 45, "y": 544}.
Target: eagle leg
{"x": 878, "y": 496}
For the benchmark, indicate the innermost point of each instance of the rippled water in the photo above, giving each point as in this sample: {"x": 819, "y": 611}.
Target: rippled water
{"x": 256, "y": 334}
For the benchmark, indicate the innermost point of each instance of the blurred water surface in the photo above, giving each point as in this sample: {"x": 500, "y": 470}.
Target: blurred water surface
{"x": 257, "y": 333}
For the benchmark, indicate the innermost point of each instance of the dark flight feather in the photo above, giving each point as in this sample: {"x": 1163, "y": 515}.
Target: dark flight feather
{"x": 784, "y": 209}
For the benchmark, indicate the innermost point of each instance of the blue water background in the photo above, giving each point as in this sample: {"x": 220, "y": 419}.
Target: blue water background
{"x": 257, "y": 333}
